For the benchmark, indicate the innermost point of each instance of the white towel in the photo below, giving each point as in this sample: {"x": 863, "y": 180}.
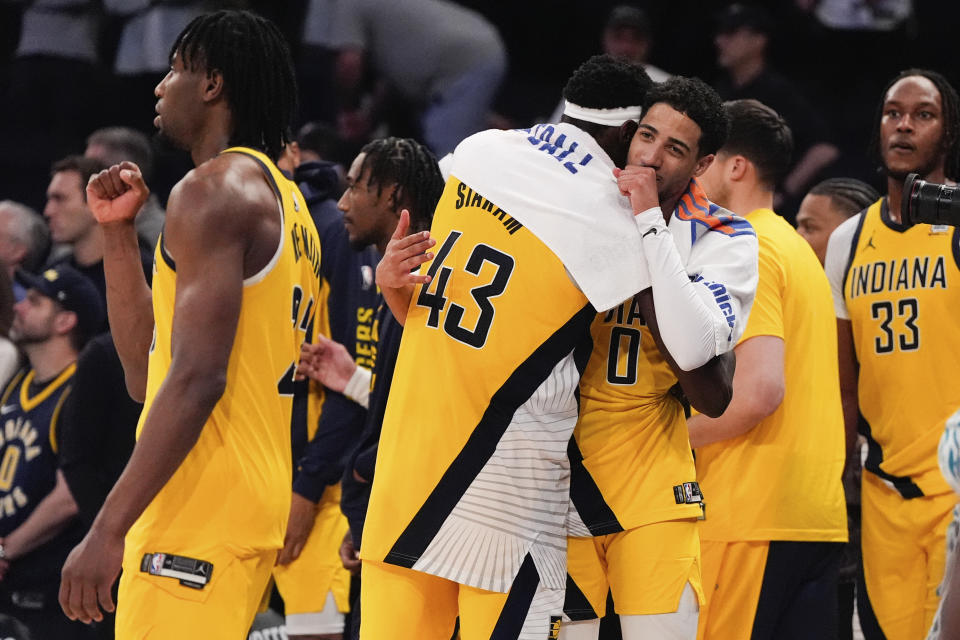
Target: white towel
{"x": 558, "y": 182}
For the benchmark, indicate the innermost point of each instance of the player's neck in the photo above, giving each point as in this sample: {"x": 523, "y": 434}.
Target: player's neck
{"x": 743, "y": 201}
{"x": 213, "y": 139}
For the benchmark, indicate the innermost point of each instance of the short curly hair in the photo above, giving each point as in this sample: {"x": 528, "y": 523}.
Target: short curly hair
{"x": 699, "y": 102}
{"x": 603, "y": 82}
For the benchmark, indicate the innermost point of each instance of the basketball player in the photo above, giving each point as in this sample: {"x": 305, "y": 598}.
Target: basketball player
{"x": 309, "y": 576}
{"x": 38, "y": 522}
{"x": 532, "y": 241}
{"x": 770, "y": 563}
{"x": 827, "y": 205}
{"x": 633, "y": 485}
{"x": 388, "y": 177}
{"x": 199, "y": 513}
{"x": 897, "y": 342}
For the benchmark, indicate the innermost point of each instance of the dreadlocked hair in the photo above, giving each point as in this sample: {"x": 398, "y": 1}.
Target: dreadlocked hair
{"x": 700, "y": 103}
{"x": 258, "y": 77}
{"x": 951, "y": 120}
{"x": 413, "y": 169}
{"x": 849, "y": 195}
{"x": 603, "y": 82}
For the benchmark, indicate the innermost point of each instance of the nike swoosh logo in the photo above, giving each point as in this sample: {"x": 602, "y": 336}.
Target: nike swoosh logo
{"x": 7, "y": 408}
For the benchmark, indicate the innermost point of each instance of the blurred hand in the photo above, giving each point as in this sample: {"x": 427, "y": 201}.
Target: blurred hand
{"x": 349, "y": 557}
{"x": 403, "y": 254}
{"x": 326, "y": 361}
{"x": 640, "y": 185}
{"x": 303, "y": 513}
{"x": 117, "y": 194}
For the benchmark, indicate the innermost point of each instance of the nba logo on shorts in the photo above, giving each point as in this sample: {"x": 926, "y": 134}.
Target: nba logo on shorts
{"x": 366, "y": 274}
{"x": 554, "y": 628}
{"x": 156, "y": 564}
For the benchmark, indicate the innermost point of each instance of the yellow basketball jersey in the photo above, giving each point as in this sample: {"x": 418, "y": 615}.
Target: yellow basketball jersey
{"x": 233, "y": 489}
{"x": 904, "y": 320}
{"x": 781, "y": 479}
{"x": 632, "y": 433}
{"x": 472, "y": 469}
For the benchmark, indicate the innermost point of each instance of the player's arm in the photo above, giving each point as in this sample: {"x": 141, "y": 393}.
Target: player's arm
{"x": 758, "y": 388}
{"x": 395, "y": 272}
{"x": 328, "y": 362}
{"x": 115, "y": 195}
{"x": 709, "y": 387}
{"x": 208, "y": 240}
{"x": 52, "y": 515}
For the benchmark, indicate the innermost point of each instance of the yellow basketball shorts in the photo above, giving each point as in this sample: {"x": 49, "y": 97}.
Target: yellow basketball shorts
{"x": 305, "y": 582}
{"x": 904, "y": 547}
{"x": 403, "y": 604}
{"x": 155, "y": 607}
{"x": 666, "y": 554}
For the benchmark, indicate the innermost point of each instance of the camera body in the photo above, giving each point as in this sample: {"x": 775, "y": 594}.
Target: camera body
{"x": 929, "y": 202}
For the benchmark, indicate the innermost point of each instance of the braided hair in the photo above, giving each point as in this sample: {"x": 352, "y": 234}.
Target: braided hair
{"x": 951, "y": 120}
{"x": 257, "y": 69}
{"x": 849, "y": 195}
{"x": 413, "y": 169}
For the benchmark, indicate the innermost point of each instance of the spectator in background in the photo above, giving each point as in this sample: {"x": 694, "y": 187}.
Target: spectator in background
{"x": 113, "y": 145}
{"x": 147, "y": 28}
{"x": 24, "y": 240}
{"x": 827, "y": 205}
{"x": 627, "y": 36}
{"x": 447, "y": 60}
{"x": 37, "y": 523}
{"x": 72, "y": 223}
{"x": 743, "y": 39}
{"x": 98, "y": 423}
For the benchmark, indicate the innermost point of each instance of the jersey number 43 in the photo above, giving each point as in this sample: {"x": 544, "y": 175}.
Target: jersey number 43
{"x": 440, "y": 276}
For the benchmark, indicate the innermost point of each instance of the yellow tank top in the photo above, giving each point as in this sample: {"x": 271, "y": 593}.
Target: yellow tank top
{"x": 482, "y": 405}
{"x": 233, "y": 489}
{"x": 904, "y": 320}
{"x": 782, "y": 479}
{"x": 632, "y": 432}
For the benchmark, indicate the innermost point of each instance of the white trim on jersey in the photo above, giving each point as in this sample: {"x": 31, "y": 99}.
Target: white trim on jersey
{"x": 260, "y": 275}
{"x": 839, "y": 249}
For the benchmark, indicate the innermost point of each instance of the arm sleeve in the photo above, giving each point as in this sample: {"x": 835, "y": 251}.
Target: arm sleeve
{"x": 701, "y": 313}
{"x": 839, "y": 248}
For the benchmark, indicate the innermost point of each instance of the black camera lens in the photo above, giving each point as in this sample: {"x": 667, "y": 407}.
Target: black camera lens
{"x": 929, "y": 202}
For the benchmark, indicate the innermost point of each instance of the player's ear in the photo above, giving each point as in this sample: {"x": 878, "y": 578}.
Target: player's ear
{"x": 702, "y": 164}
{"x": 213, "y": 87}
{"x": 627, "y": 129}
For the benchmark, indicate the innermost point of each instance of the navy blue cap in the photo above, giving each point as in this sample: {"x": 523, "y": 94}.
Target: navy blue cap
{"x": 72, "y": 290}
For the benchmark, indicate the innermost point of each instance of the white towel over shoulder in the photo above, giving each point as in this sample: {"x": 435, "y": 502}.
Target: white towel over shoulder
{"x": 558, "y": 182}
